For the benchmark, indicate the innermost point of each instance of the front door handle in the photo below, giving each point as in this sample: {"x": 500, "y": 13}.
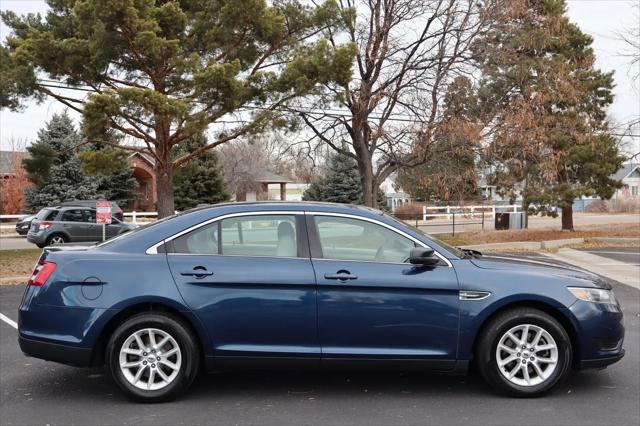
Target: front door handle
{"x": 341, "y": 275}
{"x": 198, "y": 272}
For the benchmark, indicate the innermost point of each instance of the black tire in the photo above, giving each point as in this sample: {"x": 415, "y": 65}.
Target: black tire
{"x": 185, "y": 339}
{"x": 52, "y": 236}
{"x": 493, "y": 331}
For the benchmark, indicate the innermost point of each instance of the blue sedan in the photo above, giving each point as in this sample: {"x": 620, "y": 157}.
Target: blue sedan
{"x": 302, "y": 284}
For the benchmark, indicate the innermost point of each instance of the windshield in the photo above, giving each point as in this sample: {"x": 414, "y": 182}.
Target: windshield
{"x": 453, "y": 250}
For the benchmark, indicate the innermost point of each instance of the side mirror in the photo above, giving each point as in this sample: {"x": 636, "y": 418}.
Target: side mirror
{"x": 423, "y": 256}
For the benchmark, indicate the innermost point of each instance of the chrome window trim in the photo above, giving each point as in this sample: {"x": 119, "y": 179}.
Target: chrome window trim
{"x": 385, "y": 225}
{"x": 154, "y": 248}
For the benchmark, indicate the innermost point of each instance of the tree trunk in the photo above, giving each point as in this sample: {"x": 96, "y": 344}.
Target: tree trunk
{"x": 368, "y": 185}
{"x": 164, "y": 171}
{"x": 164, "y": 190}
{"x": 567, "y": 218}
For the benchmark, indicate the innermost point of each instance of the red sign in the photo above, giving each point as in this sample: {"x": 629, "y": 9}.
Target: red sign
{"x": 103, "y": 212}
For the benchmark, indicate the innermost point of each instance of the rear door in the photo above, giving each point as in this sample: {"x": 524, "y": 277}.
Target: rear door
{"x": 250, "y": 280}
{"x": 372, "y": 303}
{"x": 74, "y": 224}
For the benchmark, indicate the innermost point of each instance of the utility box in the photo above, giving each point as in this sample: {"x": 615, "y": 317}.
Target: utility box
{"x": 516, "y": 220}
{"x": 502, "y": 221}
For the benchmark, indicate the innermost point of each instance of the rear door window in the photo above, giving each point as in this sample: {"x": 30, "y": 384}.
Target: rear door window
{"x": 260, "y": 235}
{"x": 74, "y": 215}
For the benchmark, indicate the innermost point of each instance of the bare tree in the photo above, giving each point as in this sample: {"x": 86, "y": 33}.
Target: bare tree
{"x": 408, "y": 52}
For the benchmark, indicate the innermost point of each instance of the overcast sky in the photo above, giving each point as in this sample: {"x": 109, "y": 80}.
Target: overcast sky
{"x": 602, "y": 19}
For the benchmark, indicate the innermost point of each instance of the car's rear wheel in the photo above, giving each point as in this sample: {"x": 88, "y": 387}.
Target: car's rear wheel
{"x": 56, "y": 239}
{"x": 153, "y": 357}
{"x": 524, "y": 352}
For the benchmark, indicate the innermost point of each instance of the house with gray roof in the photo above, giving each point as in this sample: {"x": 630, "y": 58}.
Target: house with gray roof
{"x": 629, "y": 175}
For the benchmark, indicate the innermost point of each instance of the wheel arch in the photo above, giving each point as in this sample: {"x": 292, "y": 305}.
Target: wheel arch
{"x": 555, "y": 312}
{"x": 98, "y": 352}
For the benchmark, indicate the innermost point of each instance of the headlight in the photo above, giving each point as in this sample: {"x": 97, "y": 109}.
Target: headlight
{"x": 595, "y": 295}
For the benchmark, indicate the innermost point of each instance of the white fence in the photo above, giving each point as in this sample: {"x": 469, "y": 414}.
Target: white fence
{"x": 470, "y": 212}
{"x": 133, "y": 215}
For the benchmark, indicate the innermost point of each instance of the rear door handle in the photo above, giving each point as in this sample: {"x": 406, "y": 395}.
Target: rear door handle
{"x": 341, "y": 276}
{"x": 198, "y": 272}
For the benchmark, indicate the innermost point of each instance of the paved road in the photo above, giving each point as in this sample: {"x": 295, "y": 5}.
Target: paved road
{"x": 10, "y": 243}
{"x": 37, "y": 392}
{"x": 629, "y": 255}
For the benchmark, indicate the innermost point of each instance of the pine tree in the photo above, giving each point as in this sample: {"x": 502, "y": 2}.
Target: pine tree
{"x": 66, "y": 182}
{"x": 54, "y": 167}
{"x": 340, "y": 184}
{"x": 551, "y": 140}
{"x": 56, "y": 142}
{"x": 108, "y": 166}
{"x": 201, "y": 181}
{"x": 164, "y": 71}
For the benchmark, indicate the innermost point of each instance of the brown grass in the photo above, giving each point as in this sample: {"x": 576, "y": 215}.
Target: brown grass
{"x": 17, "y": 263}
{"x": 629, "y": 230}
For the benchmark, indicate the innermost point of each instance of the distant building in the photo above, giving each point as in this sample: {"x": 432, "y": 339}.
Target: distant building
{"x": 394, "y": 195}
{"x": 629, "y": 175}
{"x": 143, "y": 168}
{"x": 263, "y": 181}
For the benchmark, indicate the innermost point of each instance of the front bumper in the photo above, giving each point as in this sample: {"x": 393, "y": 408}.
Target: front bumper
{"x": 600, "y": 363}
{"x": 600, "y": 334}
{"x": 64, "y": 354}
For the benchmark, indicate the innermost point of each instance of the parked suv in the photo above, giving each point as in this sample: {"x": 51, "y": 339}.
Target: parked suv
{"x": 63, "y": 224}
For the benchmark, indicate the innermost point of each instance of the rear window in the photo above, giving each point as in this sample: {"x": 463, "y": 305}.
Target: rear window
{"x": 47, "y": 214}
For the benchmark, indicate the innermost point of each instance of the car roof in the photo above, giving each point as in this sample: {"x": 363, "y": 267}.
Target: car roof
{"x": 276, "y": 204}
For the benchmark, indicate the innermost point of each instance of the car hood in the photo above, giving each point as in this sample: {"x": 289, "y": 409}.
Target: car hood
{"x": 516, "y": 263}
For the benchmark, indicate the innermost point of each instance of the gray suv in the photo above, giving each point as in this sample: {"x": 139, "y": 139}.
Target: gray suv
{"x": 64, "y": 224}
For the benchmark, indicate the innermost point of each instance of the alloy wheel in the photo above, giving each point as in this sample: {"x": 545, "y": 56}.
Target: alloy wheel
{"x": 57, "y": 240}
{"x": 150, "y": 359}
{"x": 527, "y": 355}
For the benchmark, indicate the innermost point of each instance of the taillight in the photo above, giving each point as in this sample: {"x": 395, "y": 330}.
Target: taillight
{"x": 41, "y": 273}
{"x": 45, "y": 224}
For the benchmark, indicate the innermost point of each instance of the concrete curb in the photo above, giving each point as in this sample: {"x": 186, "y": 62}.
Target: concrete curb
{"x": 615, "y": 240}
{"x": 625, "y": 273}
{"x": 526, "y": 245}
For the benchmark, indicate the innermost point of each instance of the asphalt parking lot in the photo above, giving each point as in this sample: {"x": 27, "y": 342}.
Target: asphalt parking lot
{"x": 622, "y": 254}
{"x": 39, "y": 392}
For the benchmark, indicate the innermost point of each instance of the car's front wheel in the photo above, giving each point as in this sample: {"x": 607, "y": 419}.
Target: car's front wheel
{"x": 153, "y": 357}
{"x": 524, "y": 352}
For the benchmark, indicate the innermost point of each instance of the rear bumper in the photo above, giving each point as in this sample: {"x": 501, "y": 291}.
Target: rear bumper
{"x": 64, "y": 354}
{"x": 586, "y": 364}
{"x": 36, "y": 238}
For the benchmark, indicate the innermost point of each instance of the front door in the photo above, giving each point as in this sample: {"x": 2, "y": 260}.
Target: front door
{"x": 250, "y": 281}
{"x": 372, "y": 303}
